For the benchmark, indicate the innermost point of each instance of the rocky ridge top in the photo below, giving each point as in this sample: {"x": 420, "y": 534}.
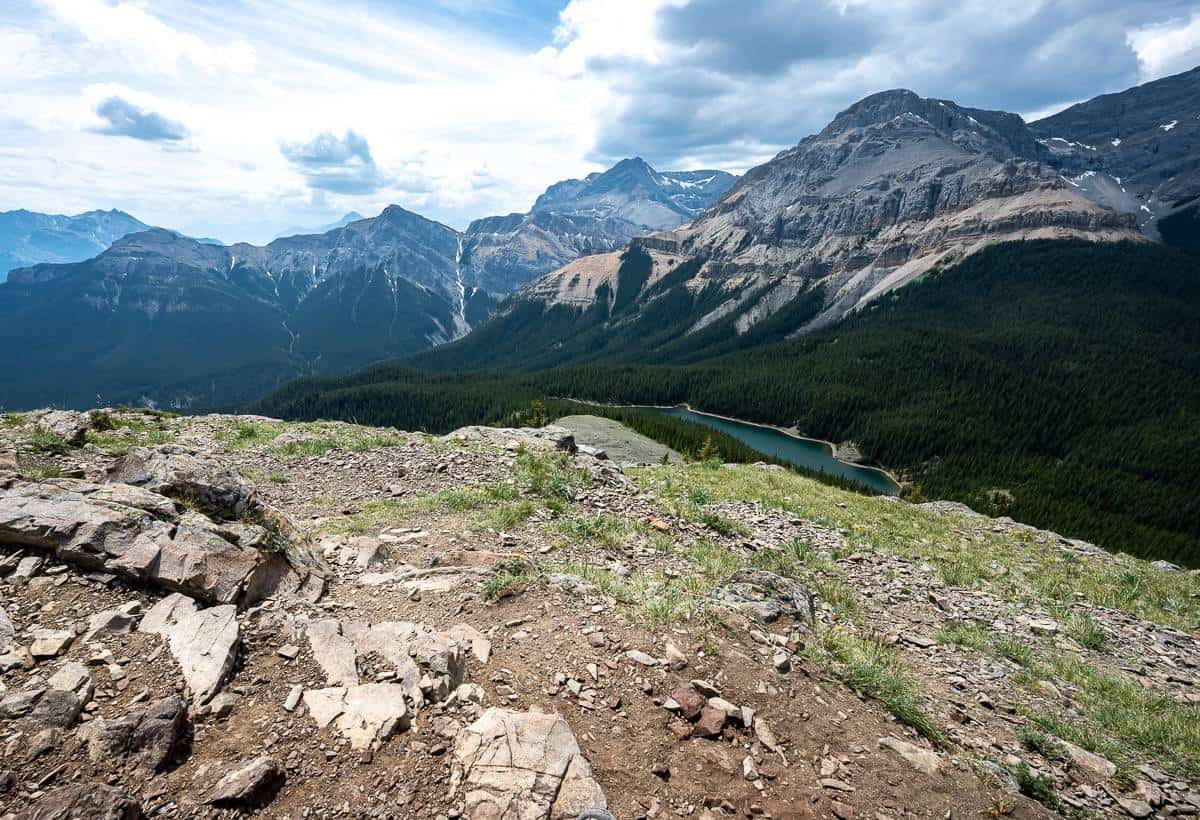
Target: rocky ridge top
{"x": 506, "y": 618}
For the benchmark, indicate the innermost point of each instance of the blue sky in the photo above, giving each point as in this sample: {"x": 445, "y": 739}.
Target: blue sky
{"x": 240, "y": 117}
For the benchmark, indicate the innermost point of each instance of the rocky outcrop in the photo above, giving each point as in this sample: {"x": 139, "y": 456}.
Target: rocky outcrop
{"x": 134, "y": 530}
{"x": 177, "y": 472}
{"x": 68, "y": 425}
{"x": 523, "y": 765}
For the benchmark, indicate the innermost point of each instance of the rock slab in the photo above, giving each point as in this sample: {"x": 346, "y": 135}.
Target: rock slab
{"x": 203, "y": 641}
{"x": 524, "y": 766}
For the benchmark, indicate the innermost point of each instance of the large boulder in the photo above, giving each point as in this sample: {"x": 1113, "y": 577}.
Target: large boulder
{"x": 203, "y": 641}
{"x": 83, "y": 801}
{"x": 180, "y": 473}
{"x": 522, "y": 765}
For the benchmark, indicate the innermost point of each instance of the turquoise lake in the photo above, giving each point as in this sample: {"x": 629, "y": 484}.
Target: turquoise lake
{"x": 814, "y": 455}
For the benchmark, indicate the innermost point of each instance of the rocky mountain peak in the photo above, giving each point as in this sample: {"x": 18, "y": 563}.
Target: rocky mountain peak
{"x": 997, "y": 132}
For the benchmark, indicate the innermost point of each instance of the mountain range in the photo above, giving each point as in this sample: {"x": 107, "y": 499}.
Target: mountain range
{"x": 27, "y": 238}
{"x": 162, "y": 318}
{"x": 896, "y": 186}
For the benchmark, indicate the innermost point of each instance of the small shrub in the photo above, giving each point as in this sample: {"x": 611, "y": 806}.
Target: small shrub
{"x": 1039, "y": 787}
{"x": 100, "y": 421}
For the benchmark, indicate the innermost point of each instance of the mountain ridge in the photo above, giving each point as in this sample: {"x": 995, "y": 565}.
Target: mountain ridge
{"x": 29, "y": 237}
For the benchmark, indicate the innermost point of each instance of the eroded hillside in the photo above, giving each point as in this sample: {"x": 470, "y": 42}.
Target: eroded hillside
{"x": 214, "y": 615}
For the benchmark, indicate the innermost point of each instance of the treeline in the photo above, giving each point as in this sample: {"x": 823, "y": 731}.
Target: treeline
{"x": 1056, "y": 382}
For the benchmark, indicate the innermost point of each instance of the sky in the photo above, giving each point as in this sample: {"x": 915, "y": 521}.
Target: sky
{"x": 238, "y": 119}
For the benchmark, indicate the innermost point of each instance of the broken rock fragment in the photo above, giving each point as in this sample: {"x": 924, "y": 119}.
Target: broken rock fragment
{"x": 522, "y": 765}
{"x": 365, "y": 715}
{"x": 765, "y": 596}
{"x": 144, "y": 737}
{"x": 923, "y": 760}
{"x": 203, "y": 641}
{"x": 251, "y": 784}
{"x": 84, "y": 801}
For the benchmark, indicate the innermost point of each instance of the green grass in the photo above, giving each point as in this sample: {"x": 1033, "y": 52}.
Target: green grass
{"x": 1039, "y": 787}
{"x": 43, "y": 441}
{"x": 12, "y": 420}
{"x": 374, "y": 516}
{"x": 601, "y": 530}
{"x": 970, "y": 634}
{"x": 964, "y": 550}
{"x": 876, "y": 669}
{"x": 507, "y": 515}
{"x": 320, "y": 437}
{"x": 119, "y": 435}
{"x": 40, "y": 472}
{"x": 1121, "y": 719}
{"x": 509, "y": 576}
{"x": 1086, "y": 631}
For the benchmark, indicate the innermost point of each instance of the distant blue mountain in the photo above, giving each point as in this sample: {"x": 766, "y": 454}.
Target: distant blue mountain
{"x": 353, "y": 216}
{"x": 28, "y": 238}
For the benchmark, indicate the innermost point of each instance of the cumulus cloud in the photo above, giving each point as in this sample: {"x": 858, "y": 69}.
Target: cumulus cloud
{"x": 1167, "y": 48}
{"x": 341, "y": 165}
{"x": 124, "y": 119}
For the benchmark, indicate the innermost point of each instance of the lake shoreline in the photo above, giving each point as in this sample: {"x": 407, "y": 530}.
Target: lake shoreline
{"x": 830, "y": 446}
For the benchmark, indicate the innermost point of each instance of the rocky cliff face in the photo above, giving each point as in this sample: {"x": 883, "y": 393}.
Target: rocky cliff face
{"x": 576, "y": 217}
{"x": 160, "y": 317}
{"x": 894, "y": 186}
{"x": 1137, "y": 151}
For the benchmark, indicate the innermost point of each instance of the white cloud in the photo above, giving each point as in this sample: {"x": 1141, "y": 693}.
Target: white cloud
{"x": 1167, "y": 48}
{"x": 128, "y": 30}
